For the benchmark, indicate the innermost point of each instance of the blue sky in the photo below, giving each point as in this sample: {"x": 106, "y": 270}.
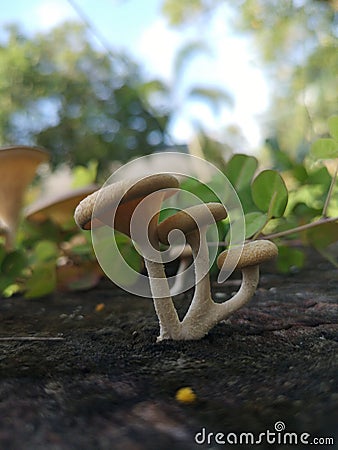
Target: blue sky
{"x": 138, "y": 28}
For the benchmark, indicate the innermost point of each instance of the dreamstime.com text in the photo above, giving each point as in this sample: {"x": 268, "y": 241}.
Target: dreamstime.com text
{"x": 278, "y": 436}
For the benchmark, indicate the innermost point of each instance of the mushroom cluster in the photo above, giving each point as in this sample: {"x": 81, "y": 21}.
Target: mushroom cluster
{"x": 116, "y": 204}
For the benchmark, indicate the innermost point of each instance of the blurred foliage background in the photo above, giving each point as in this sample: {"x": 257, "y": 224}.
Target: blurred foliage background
{"x": 59, "y": 91}
{"x": 94, "y": 108}
{"x": 297, "y": 44}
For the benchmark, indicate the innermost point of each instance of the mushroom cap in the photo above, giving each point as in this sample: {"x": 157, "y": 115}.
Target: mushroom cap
{"x": 17, "y": 169}
{"x": 189, "y": 219}
{"x": 253, "y": 253}
{"x": 117, "y": 202}
{"x": 58, "y": 207}
{"x": 23, "y": 153}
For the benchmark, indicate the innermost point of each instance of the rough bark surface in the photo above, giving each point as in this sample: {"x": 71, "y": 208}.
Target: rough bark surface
{"x": 107, "y": 384}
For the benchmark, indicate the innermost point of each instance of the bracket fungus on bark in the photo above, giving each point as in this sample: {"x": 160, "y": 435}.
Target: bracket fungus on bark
{"x": 18, "y": 165}
{"x": 253, "y": 254}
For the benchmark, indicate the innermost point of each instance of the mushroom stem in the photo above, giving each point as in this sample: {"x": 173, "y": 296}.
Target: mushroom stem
{"x": 202, "y": 300}
{"x": 170, "y": 325}
{"x": 202, "y": 311}
{"x": 205, "y": 313}
{"x": 178, "y": 286}
{"x": 250, "y": 278}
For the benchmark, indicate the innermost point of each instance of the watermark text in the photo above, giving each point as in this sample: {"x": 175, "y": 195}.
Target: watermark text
{"x": 277, "y": 436}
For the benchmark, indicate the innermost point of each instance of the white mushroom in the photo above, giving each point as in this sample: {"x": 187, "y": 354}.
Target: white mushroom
{"x": 18, "y": 165}
{"x": 114, "y": 206}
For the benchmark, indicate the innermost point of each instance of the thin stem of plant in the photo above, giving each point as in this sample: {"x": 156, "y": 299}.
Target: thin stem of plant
{"x": 317, "y": 223}
{"x": 258, "y": 232}
{"x": 280, "y": 234}
{"x": 329, "y": 194}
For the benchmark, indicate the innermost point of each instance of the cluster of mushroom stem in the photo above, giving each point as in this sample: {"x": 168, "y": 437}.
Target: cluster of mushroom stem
{"x": 116, "y": 210}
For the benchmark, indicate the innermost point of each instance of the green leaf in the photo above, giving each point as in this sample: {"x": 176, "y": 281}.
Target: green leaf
{"x": 325, "y": 148}
{"x": 281, "y": 160}
{"x": 254, "y": 221}
{"x": 128, "y": 251}
{"x": 270, "y": 193}
{"x": 320, "y": 176}
{"x": 289, "y": 258}
{"x": 240, "y": 171}
{"x": 84, "y": 176}
{"x": 201, "y": 190}
{"x": 30, "y": 232}
{"x": 11, "y": 289}
{"x": 13, "y": 264}
{"x": 299, "y": 172}
{"x": 167, "y": 212}
{"x": 5, "y": 282}
{"x": 333, "y": 126}
{"x": 132, "y": 257}
{"x": 82, "y": 249}
{"x": 223, "y": 228}
{"x": 45, "y": 251}
{"x": 305, "y": 213}
{"x": 2, "y": 254}
{"x": 42, "y": 281}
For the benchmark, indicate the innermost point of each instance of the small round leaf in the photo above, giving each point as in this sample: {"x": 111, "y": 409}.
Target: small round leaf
{"x": 240, "y": 171}
{"x": 254, "y": 221}
{"x": 325, "y": 148}
{"x": 270, "y": 193}
{"x": 42, "y": 281}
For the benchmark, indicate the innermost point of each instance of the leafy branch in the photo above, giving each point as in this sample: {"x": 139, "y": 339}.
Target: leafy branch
{"x": 274, "y": 211}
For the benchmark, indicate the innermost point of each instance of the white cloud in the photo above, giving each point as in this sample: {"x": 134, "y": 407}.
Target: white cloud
{"x": 49, "y": 13}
